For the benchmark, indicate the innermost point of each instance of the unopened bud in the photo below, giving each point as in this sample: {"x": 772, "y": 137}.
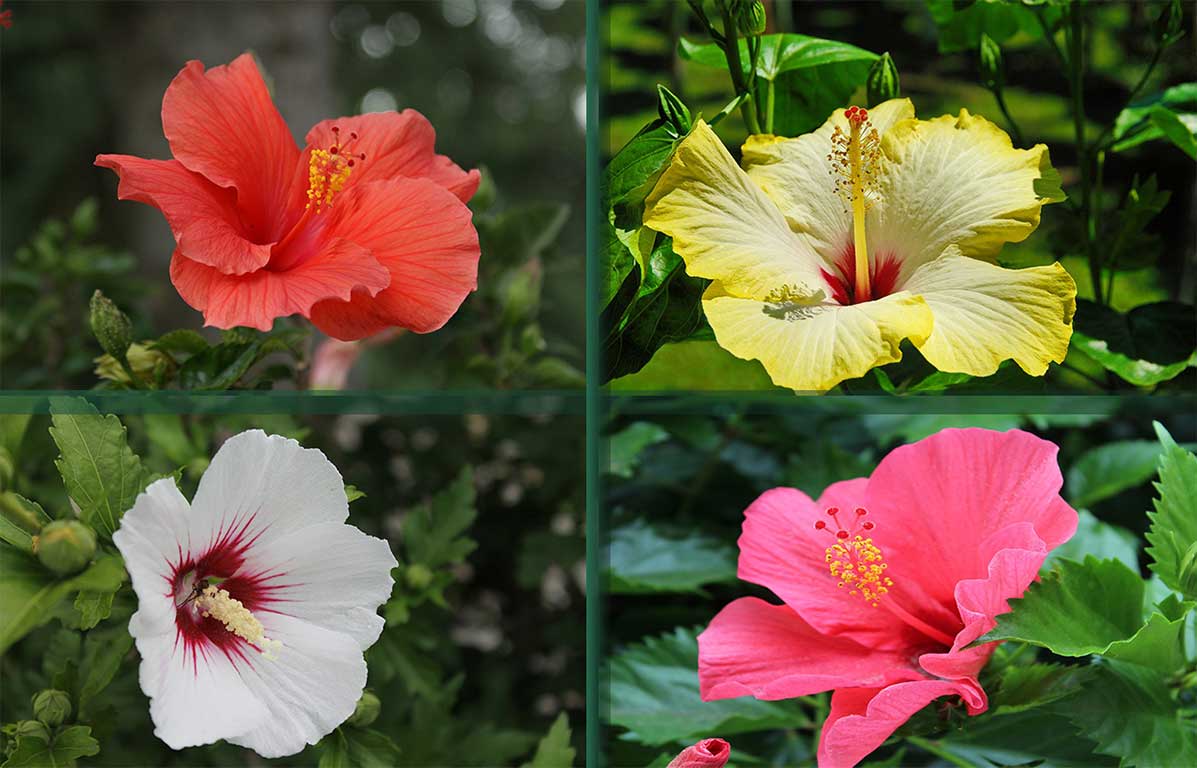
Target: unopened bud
{"x": 146, "y": 363}
{"x": 417, "y": 576}
{"x": 110, "y": 326}
{"x": 749, "y": 16}
{"x": 32, "y": 729}
{"x": 1186, "y": 574}
{"x": 991, "y": 63}
{"x": 366, "y": 712}
{"x": 52, "y": 707}
{"x": 882, "y": 83}
{"x": 65, "y": 546}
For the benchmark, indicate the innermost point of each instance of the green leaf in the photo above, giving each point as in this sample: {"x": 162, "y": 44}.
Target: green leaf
{"x": 653, "y": 693}
{"x": 634, "y": 170}
{"x": 93, "y": 607}
{"x": 434, "y": 537}
{"x": 29, "y": 593}
{"x": 554, "y": 750}
{"x": 1170, "y": 125}
{"x": 625, "y": 446}
{"x": 646, "y": 558}
{"x": 1031, "y": 686}
{"x": 1138, "y": 123}
{"x": 1127, "y": 244}
{"x": 69, "y": 744}
{"x": 1150, "y": 344}
{"x": 961, "y": 25}
{"x": 1033, "y": 737}
{"x": 103, "y": 651}
{"x": 353, "y": 494}
{"x": 617, "y": 266}
{"x": 1109, "y": 469}
{"x": 799, "y": 79}
{"x": 1130, "y": 715}
{"x": 695, "y": 365}
{"x": 521, "y": 234}
{"x": 1101, "y": 540}
{"x": 182, "y": 341}
{"x": 1173, "y": 533}
{"x": 101, "y": 473}
{"x": 358, "y": 748}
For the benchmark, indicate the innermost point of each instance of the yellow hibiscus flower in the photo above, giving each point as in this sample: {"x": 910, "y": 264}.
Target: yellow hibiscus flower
{"x": 827, "y": 250}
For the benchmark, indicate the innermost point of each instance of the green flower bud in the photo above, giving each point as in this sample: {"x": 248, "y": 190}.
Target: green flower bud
{"x": 418, "y": 576}
{"x": 484, "y": 198}
{"x": 521, "y": 292}
{"x": 65, "y": 546}
{"x": 52, "y": 707}
{"x": 991, "y": 64}
{"x": 1186, "y": 574}
{"x": 110, "y": 326}
{"x": 366, "y": 712}
{"x": 32, "y": 729}
{"x": 749, "y": 16}
{"x": 1167, "y": 25}
{"x": 146, "y": 364}
{"x": 882, "y": 83}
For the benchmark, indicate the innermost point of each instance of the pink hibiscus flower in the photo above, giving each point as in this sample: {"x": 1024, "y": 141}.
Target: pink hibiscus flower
{"x": 886, "y": 580}
{"x": 363, "y": 229}
{"x": 708, "y": 753}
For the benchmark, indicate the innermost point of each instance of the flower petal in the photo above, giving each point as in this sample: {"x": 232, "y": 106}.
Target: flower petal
{"x": 332, "y": 576}
{"x": 816, "y": 346}
{"x": 752, "y": 648}
{"x": 222, "y": 123}
{"x": 862, "y": 719}
{"x": 310, "y": 687}
{"x": 781, "y": 550}
{"x": 985, "y": 314}
{"x": 258, "y": 298}
{"x": 954, "y": 180}
{"x": 396, "y": 144}
{"x": 202, "y": 216}
{"x": 922, "y": 497}
{"x": 797, "y": 174}
{"x": 724, "y": 225}
{"x": 425, "y": 239}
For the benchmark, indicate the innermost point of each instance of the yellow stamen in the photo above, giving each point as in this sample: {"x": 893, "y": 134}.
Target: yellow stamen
{"x": 327, "y": 174}
{"x": 220, "y": 605}
{"x": 859, "y": 567}
{"x": 855, "y": 159}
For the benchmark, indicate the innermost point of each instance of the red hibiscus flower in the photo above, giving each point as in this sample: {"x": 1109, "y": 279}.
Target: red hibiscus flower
{"x": 886, "y": 580}
{"x": 363, "y": 229}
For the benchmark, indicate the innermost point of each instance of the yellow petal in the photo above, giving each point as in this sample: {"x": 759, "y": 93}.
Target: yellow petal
{"x": 815, "y": 347}
{"x": 797, "y": 174}
{"x": 954, "y": 181}
{"x": 724, "y": 226}
{"x": 985, "y": 314}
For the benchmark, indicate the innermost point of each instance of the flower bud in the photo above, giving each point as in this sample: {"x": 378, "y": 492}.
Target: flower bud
{"x": 65, "y": 546}
{"x": 991, "y": 63}
{"x": 882, "y": 83}
{"x": 749, "y": 16}
{"x": 1186, "y": 574}
{"x": 1167, "y": 24}
{"x": 146, "y": 363}
{"x": 52, "y": 707}
{"x": 110, "y": 326}
{"x": 32, "y": 729}
{"x": 417, "y": 576}
{"x": 708, "y": 753}
{"x": 366, "y": 712}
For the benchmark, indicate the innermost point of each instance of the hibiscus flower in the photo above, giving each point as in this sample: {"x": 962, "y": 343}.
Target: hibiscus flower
{"x": 827, "y": 250}
{"x": 256, "y": 601}
{"x": 363, "y": 229}
{"x": 886, "y": 581}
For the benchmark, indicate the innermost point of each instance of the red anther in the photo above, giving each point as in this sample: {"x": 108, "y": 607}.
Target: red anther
{"x": 833, "y": 511}
{"x": 820, "y": 525}
{"x": 334, "y": 149}
{"x": 353, "y": 134}
{"x": 362, "y": 156}
{"x": 861, "y": 511}
{"x": 350, "y": 164}
{"x": 867, "y": 525}
{"x": 841, "y": 534}
{"x": 856, "y": 115}
{"x": 335, "y": 129}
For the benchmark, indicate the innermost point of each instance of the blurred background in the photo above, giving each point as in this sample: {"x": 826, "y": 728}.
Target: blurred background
{"x": 502, "y": 81}
{"x": 485, "y": 636}
{"x": 939, "y": 70}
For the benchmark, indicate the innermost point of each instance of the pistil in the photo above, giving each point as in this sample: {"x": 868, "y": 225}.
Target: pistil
{"x": 854, "y": 158}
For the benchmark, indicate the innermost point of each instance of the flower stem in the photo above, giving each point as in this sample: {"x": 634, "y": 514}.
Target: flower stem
{"x": 1001, "y": 102}
{"x": 735, "y": 67}
{"x": 1076, "y": 61}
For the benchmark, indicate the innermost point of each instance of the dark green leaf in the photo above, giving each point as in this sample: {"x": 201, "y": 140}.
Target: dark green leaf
{"x": 1027, "y": 687}
{"x": 1109, "y": 469}
{"x": 1173, "y": 534}
{"x": 554, "y": 750}
{"x": 624, "y": 447}
{"x": 961, "y": 28}
{"x": 1150, "y": 344}
{"x": 69, "y": 744}
{"x": 1179, "y": 133}
{"x": 695, "y": 365}
{"x": 1023, "y": 738}
{"x": 1136, "y": 124}
{"x": 647, "y": 558}
{"x": 182, "y": 341}
{"x": 29, "y": 593}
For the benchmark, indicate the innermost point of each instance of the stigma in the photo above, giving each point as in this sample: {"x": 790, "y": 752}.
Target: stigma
{"x": 854, "y": 560}
{"x": 855, "y": 161}
{"x": 330, "y": 169}
{"x": 220, "y": 605}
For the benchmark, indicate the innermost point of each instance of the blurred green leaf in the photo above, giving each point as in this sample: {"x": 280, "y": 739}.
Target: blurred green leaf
{"x": 1022, "y": 738}
{"x": 695, "y": 365}
{"x": 1099, "y": 539}
{"x": 961, "y": 25}
{"x": 1127, "y": 245}
{"x": 434, "y": 534}
{"x": 358, "y": 748}
{"x": 103, "y": 651}
{"x": 1033, "y": 685}
{"x": 1106, "y": 470}
{"x": 1177, "y": 121}
{"x": 653, "y": 693}
{"x": 1150, "y": 344}
{"x": 29, "y": 593}
{"x": 647, "y": 558}
{"x": 1172, "y": 537}
{"x": 624, "y": 447}
{"x": 67, "y": 745}
{"x": 554, "y": 750}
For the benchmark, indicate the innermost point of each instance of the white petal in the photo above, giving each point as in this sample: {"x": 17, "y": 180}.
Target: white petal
{"x": 310, "y": 688}
{"x": 261, "y": 487}
{"x": 196, "y": 700}
{"x": 340, "y": 577}
{"x": 151, "y": 537}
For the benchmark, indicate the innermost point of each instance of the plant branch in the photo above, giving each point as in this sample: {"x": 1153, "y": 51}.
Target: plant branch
{"x": 735, "y": 67}
{"x": 1076, "y": 83}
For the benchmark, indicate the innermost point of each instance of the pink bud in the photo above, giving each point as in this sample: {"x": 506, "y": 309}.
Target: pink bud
{"x": 708, "y": 753}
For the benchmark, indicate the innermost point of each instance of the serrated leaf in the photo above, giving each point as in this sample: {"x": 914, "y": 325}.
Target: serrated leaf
{"x": 1111, "y": 468}
{"x": 1023, "y": 738}
{"x": 29, "y": 593}
{"x": 1173, "y": 532}
{"x": 652, "y": 691}
{"x": 625, "y": 446}
{"x": 554, "y": 750}
{"x": 1027, "y": 687}
{"x": 645, "y": 558}
{"x": 433, "y": 533}
{"x": 67, "y": 745}
{"x": 93, "y": 607}
{"x": 102, "y": 474}
{"x": 103, "y": 652}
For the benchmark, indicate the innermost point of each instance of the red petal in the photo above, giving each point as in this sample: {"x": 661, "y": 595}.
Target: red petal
{"x": 256, "y": 299}
{"x": 222, "y": 123}
{"x": 202, "y": 216}
{"x": 395, "y": 144}
{"x": 424, "y": 237}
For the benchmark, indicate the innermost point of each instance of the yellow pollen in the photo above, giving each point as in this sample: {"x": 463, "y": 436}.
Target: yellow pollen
{"x": 859, "y": 565}
{"x": 855, "y": 161}
{"x": 327, "y": 174}
{"x": 220, "y": 605}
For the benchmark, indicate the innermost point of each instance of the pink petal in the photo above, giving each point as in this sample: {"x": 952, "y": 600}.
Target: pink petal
{"x": 424, "y": 237}
{"x": 222, "y": 123}
{"x": 862, "y": 719}
{"x": 708, "y": 753}
{"x": 258, "y": 298}
{"x": 752, "y": 648}
{"x": 396, "y": 144}
{"x": 202, "y": 216}
{"x": 781, "y": 550}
